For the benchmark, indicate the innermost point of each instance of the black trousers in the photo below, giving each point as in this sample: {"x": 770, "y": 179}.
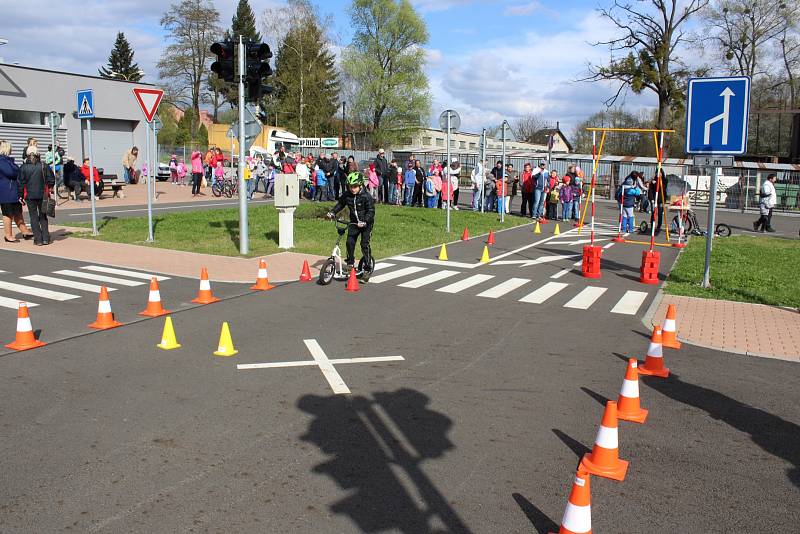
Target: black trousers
{"x": 352, "y": 235}
{"x": 385, "y": 185}
{"x": 39, "y": 224}
{"x": 196, "y": 180}
{"x": 416, "y": 200}
{"x": 764, "y": 221}
{"x": 527, "y": 202}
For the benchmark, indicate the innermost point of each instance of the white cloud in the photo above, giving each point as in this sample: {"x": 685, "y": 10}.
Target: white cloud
{"x": 522, "y": 9}
{"x": 433, "y": 57}
{"x": 427, "y": 6}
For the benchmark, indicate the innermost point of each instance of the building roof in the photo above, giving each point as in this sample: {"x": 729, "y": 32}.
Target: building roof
{"x": 72, "y": 74}
{"x": 542, "y": 136}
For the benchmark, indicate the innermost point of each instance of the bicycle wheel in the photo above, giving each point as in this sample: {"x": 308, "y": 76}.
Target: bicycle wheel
{"x": 63, "y": 191}
{"x": 722, "y": 230}
{"x": 229, "y": 190}
{"x": 216, "y": 189}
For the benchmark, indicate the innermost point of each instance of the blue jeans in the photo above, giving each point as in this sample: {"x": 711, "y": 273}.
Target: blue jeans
{"x": 251, "y": 186}
{"x": 576, "y": 209}
{"x": 430, "y": 202}
{"x": 566, "y": 210}
{"x": 538, "y": 198}
{"x": 491, "y": 199}
{"x": 476, "y": 201}
{"x": 127, "y": 175}
{"x": 501, "y": 203}
{"x": 408, "y": 195}
{"x": 392, "y": 193}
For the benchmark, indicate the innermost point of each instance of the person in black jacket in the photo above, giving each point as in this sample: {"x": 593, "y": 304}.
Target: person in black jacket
{"x": 34, "y": 183}
{"x": 362, "y": 215}
{"x": 385, "y": 178}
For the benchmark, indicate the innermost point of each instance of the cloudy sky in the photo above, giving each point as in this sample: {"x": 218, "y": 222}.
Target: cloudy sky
{"x": 487, "y": 59}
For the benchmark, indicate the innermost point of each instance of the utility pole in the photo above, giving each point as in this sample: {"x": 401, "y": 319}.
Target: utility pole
{"x": 244, "y": 241}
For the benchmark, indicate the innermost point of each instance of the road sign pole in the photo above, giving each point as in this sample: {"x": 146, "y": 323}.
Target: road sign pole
{"x": 483, "y": 170}
{"x": 91, "y": 176}
{"x": 155, "y": 160}
{"x": 243, "y": 228}
{"x": 446, "y": 173}
{"x": 53, "y": 150}
{"x": 149, "y": 196}
{"x": 712, "y": 208}
{"x": 503, "y": 182}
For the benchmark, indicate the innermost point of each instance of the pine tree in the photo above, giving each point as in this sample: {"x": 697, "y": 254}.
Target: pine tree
{"x": 244, "y": 23}
{"x": 120, "y": 62}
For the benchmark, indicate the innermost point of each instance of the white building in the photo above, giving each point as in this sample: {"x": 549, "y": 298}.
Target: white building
{"x": 431, "y": 140}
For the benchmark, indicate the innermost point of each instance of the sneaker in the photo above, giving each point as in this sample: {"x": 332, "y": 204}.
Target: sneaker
{"x": 365, "y": 276}
{"x": 770, "y": 229}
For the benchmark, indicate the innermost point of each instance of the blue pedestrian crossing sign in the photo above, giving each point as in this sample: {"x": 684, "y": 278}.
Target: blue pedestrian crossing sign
{"x": 716, "y": 115}
{"x": 85, "y": 104}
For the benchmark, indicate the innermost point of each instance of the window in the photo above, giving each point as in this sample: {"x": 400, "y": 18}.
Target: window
{"x": 15, "y": 116}
{"x": 452, "y": 143}
{"x": 427, "y": 141}
{"x": 462, "y": 145}
{"x": 406, "y": 141}
{"x": 473, "y": 146}
{"x": 439, "y": 141}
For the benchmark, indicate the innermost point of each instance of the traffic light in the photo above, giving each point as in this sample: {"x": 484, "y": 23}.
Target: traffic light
{"x": 223, "y": 67}
{"x": 258, "y": 55}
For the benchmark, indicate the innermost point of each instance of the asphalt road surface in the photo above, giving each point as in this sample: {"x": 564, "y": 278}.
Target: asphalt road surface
{"x": 478, "y": 428}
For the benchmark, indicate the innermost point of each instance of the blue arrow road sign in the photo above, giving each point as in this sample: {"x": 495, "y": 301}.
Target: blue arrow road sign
{"x": 85, "y": 104}
{"x": 716, "y": 115}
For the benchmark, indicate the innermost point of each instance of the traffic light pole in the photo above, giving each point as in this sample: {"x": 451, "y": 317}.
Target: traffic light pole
{"x": 243, "y": 227}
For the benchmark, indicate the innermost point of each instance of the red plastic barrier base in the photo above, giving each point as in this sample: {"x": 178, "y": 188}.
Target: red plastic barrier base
{"x": 648, "y": 274}
{"x": 591, "y": 261}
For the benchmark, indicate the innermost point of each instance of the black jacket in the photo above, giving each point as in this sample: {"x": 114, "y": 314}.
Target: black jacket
{"x": 381, "y": 166}
{"x": 32, "y": 180}
{"x": 362, "y": 206}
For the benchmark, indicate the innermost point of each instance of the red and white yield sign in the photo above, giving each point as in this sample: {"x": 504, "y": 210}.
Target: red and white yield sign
{"x": 149, "y": 99}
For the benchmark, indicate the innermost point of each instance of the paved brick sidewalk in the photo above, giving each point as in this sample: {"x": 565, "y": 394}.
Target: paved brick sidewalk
{"x": 752, "y": 329}
{"x": 283, "y": 266}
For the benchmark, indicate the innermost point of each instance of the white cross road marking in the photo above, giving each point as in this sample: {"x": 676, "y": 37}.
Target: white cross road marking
{"x": 580, "y": 241}
{"x": 629, "y": 303}
{"x": 123, "y": 272}
{"x": 587, "y": 297}
{"x": 429, "y": 279}
{"x": 431, "y": 261}
{"x": 325, "y": 364}
{"x": 395, "y": 274}
{"x": 608, "y": 245}
{"x": 466, "y": 283}
{"x": 537, "y": 261}
{"x": 506, "y": 287}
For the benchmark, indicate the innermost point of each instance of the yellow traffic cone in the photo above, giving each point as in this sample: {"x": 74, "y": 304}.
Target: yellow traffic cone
{"x": 225, "y": 347}
{"x": 557, "y": 230}
{"x": 536, "y": 229}
{"x": 485, "y": 255}
{"x": 168, "y": 341}
{"x": 443, "y": 253}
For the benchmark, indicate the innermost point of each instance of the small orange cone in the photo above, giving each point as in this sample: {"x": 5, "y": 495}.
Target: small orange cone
{"x": 25, "y": 338}
{"x": 204, "y": 295}
{"x": 305, "y": 274}
{"x": 604, "y": 459}
{"x": 352, "y": 281}
{"x": 654, "y": 361}
{"x": 465, "y": 234}
{"x": 669, "y": 336}
{"x": 262, "y": 280}
{"x": 105, "y": 318}
{"x": 490, "y": 241}
{"x": 578, "y": 515}
{"x": 628, "y": 407}
{"x": 154, "y": 307}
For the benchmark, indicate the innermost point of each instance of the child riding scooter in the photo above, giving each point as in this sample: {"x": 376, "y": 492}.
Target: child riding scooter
{"x": 362, "y": 218}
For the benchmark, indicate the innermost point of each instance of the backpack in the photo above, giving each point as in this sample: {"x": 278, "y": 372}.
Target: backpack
{"x": 430, "y": 188}
{"x": 553, "y": 196}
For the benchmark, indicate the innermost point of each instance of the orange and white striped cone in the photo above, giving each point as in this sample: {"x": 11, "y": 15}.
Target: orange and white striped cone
{"x": 604, "y": 459}
{"x": 654, "y": 361}
{"x": 204, "y": 295}
{"x": 154, "y": 307}
{"x": 105, "y": 318}
{"x": 262, "y": 281}
{"x": 628, "y": 407}
{"x": 578, "y": 515}
{"x": 25, "y": 338}
{"x": 669, "y": 334}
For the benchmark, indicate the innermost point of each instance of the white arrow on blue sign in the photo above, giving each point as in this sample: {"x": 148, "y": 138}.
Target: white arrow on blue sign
{"x": 85, "y": 104}
{"x": 717, "y": 110}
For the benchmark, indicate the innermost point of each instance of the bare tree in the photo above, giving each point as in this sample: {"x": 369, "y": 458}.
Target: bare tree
{"x": 526, "y": 127}
{"x": 740, "y": 29}
{"x": 192, "y": 25}
{"x": 789, "y": 53}
{"x": 646, "y": 52}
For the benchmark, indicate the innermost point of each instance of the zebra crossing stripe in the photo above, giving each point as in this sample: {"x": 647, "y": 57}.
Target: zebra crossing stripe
{"x": 123, "y": 272}
{"x": 543, "y": 293}
{"x": 395, "y": 274}
{"x": 429, "y": 279}
{"x": 560, "y": 273}
{"x": 587, "y": 297}
{"x": 466, "y": 283}
{"x": 506, "y": 287}
{"x": 37, "y": 292}
{"x": 99, "y": 278}
{"x": 62, "y": 282}
{"x": 629, "y": 303}
{"x": 6, "y": 302}
{"x": 382, "y": 265}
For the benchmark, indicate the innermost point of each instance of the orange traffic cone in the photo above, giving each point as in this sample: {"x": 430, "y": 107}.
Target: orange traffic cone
{"x": 628, "y": 407}
{"x": 105, "y": 319}
{"x": 25, "y": 339}
{"x": 204, "y": 295}
{"x": 490, "y": 241}
{"x": 654, "y": 361}
{"x": 578, "y": 515}
{"x": 305, "y": 274}
{"x": 668, "y": 330}
{"x": 262, "y": 281}
{"x": 604, "y": 459}
{"x": 154, "y": 307}
{"x": 352, "y": 281}
{"x": 465, "y": 234}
